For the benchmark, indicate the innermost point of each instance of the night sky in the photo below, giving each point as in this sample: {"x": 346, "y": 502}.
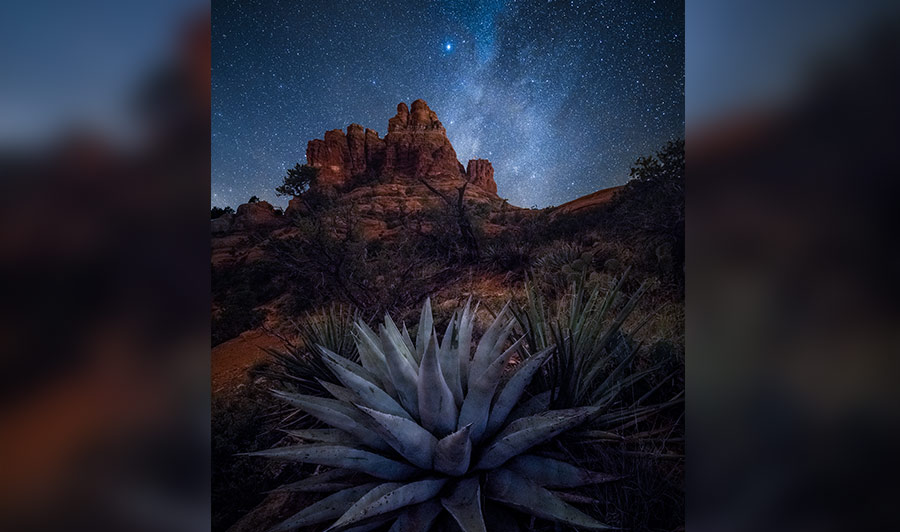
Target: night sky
{"x": 561, "y": 96}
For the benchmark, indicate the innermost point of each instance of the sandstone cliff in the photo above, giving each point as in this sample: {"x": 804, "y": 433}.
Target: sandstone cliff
{"x": 416, "y": 146}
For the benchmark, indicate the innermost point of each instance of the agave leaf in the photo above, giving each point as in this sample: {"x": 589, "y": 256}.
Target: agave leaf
{"x": 337, "y": 415}
{"x": 449, "y": 360}
{"x": 379, "y": 502}
{"x": 343, "y": 457}
{"x": 512, "y": 391}
{"x": 513, "y": 490}
{"x": 372, "y": 357}
{"x": 345, "y": 364}
{"x": 537, "y": 403}
{"x": 330, "y": 507}
{"x": 396, "y": 336}
{"x": 464, "y": 343}
{"x": 418, "y": 518}
{"x": 454, "y": 452}
{"x": 329, "y": 481}
{"x": 423, "y": 333}
{"x": 407, "y": 340}
{"x": 437, "y": 409}
{"x": 407, "y": 437}
{"x": 370, "y": 394}
{"x": 551, "y": 473}
{"x": 403, "y": 374}
{"x": 526, "y": 432}
{"x": 366, "y": 499}
{"x": 464, "y": 504}
{"x": 477, "y": 406}
{"x": 574, "y": 497}
{"x": 324, "y": 436}
{"x": 340, "y": 393}
{"x": 486, "y": 351}
{"x": 497, "y": 349}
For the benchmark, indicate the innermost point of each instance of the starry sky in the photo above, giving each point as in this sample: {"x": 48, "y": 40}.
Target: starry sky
{"x": 561, "y": 96}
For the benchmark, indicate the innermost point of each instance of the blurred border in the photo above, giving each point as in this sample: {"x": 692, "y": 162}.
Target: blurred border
{"x": 792, "y": 287}
{"x": 104, "y": 265}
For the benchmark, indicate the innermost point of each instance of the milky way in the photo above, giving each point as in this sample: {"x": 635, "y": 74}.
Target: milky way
{"x": 561, "y": 96}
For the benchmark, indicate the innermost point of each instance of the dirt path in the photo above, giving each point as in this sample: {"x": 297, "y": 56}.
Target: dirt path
{"x": 232, "y": 360}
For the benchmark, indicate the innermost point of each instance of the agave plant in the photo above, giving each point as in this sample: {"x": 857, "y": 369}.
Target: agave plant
{"x": 425, "y": 431}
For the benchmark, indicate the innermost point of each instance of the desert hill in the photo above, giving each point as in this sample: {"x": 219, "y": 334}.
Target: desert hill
{"x": 385, "y": 188}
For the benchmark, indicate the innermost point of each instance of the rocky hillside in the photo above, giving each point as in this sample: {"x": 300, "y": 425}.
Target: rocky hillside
{"x": 587, "y": 202}
{"x": 382, "y": 179}
{"x": 385, "y": 184}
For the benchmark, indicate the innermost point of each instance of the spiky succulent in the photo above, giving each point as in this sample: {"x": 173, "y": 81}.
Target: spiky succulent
{"x": 426, "y": 427}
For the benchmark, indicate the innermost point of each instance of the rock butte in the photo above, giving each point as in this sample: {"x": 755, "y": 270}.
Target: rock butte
{"x": 381, "y": 181}
{"x": 416, "y": 146}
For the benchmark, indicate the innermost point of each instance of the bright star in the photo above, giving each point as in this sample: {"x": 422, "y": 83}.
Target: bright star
{"x": 448, "y": 47}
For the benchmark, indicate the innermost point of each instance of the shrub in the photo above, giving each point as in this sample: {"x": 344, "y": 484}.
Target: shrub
{"x": 508, "y": 255}
{"x": 216, "y": 212}
{"x": 237, "y": 291}
{"x": 297, "y": 180}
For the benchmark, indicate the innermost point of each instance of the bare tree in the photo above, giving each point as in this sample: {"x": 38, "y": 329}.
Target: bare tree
{"x": 463, "y": 223}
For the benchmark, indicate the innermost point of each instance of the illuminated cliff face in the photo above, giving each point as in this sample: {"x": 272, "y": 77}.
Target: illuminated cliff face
{"x": 415, "y": 147}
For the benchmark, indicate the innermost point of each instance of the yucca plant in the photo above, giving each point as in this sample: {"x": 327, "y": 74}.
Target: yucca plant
{"x": 424, "y": 431}
{"x": 299, "y": 365}
{"x": 593, "y": 354}
{"x": 509, "y": 256}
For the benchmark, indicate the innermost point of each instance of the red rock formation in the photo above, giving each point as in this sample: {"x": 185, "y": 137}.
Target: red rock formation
{"x": 480, "y": 172}
{"x": 222, "y": 224}
{"x": 296, "y": 207}
{"x": 401, "y": 119}
{"x": 374, "y": 150}
{"x": 255, "y": 216}
{"x": 356, "y": 148}
{"x": 416, "y": 146}
{"x": 588, "y": 202}
{"x": 331, "y": 157}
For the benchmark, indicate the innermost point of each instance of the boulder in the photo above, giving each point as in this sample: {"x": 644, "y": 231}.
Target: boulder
{"x": 256, "y": 215}
{"x": 296, "y": 207}
{"x": 416, "y": 146}
{"x": 223, "y": 223}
